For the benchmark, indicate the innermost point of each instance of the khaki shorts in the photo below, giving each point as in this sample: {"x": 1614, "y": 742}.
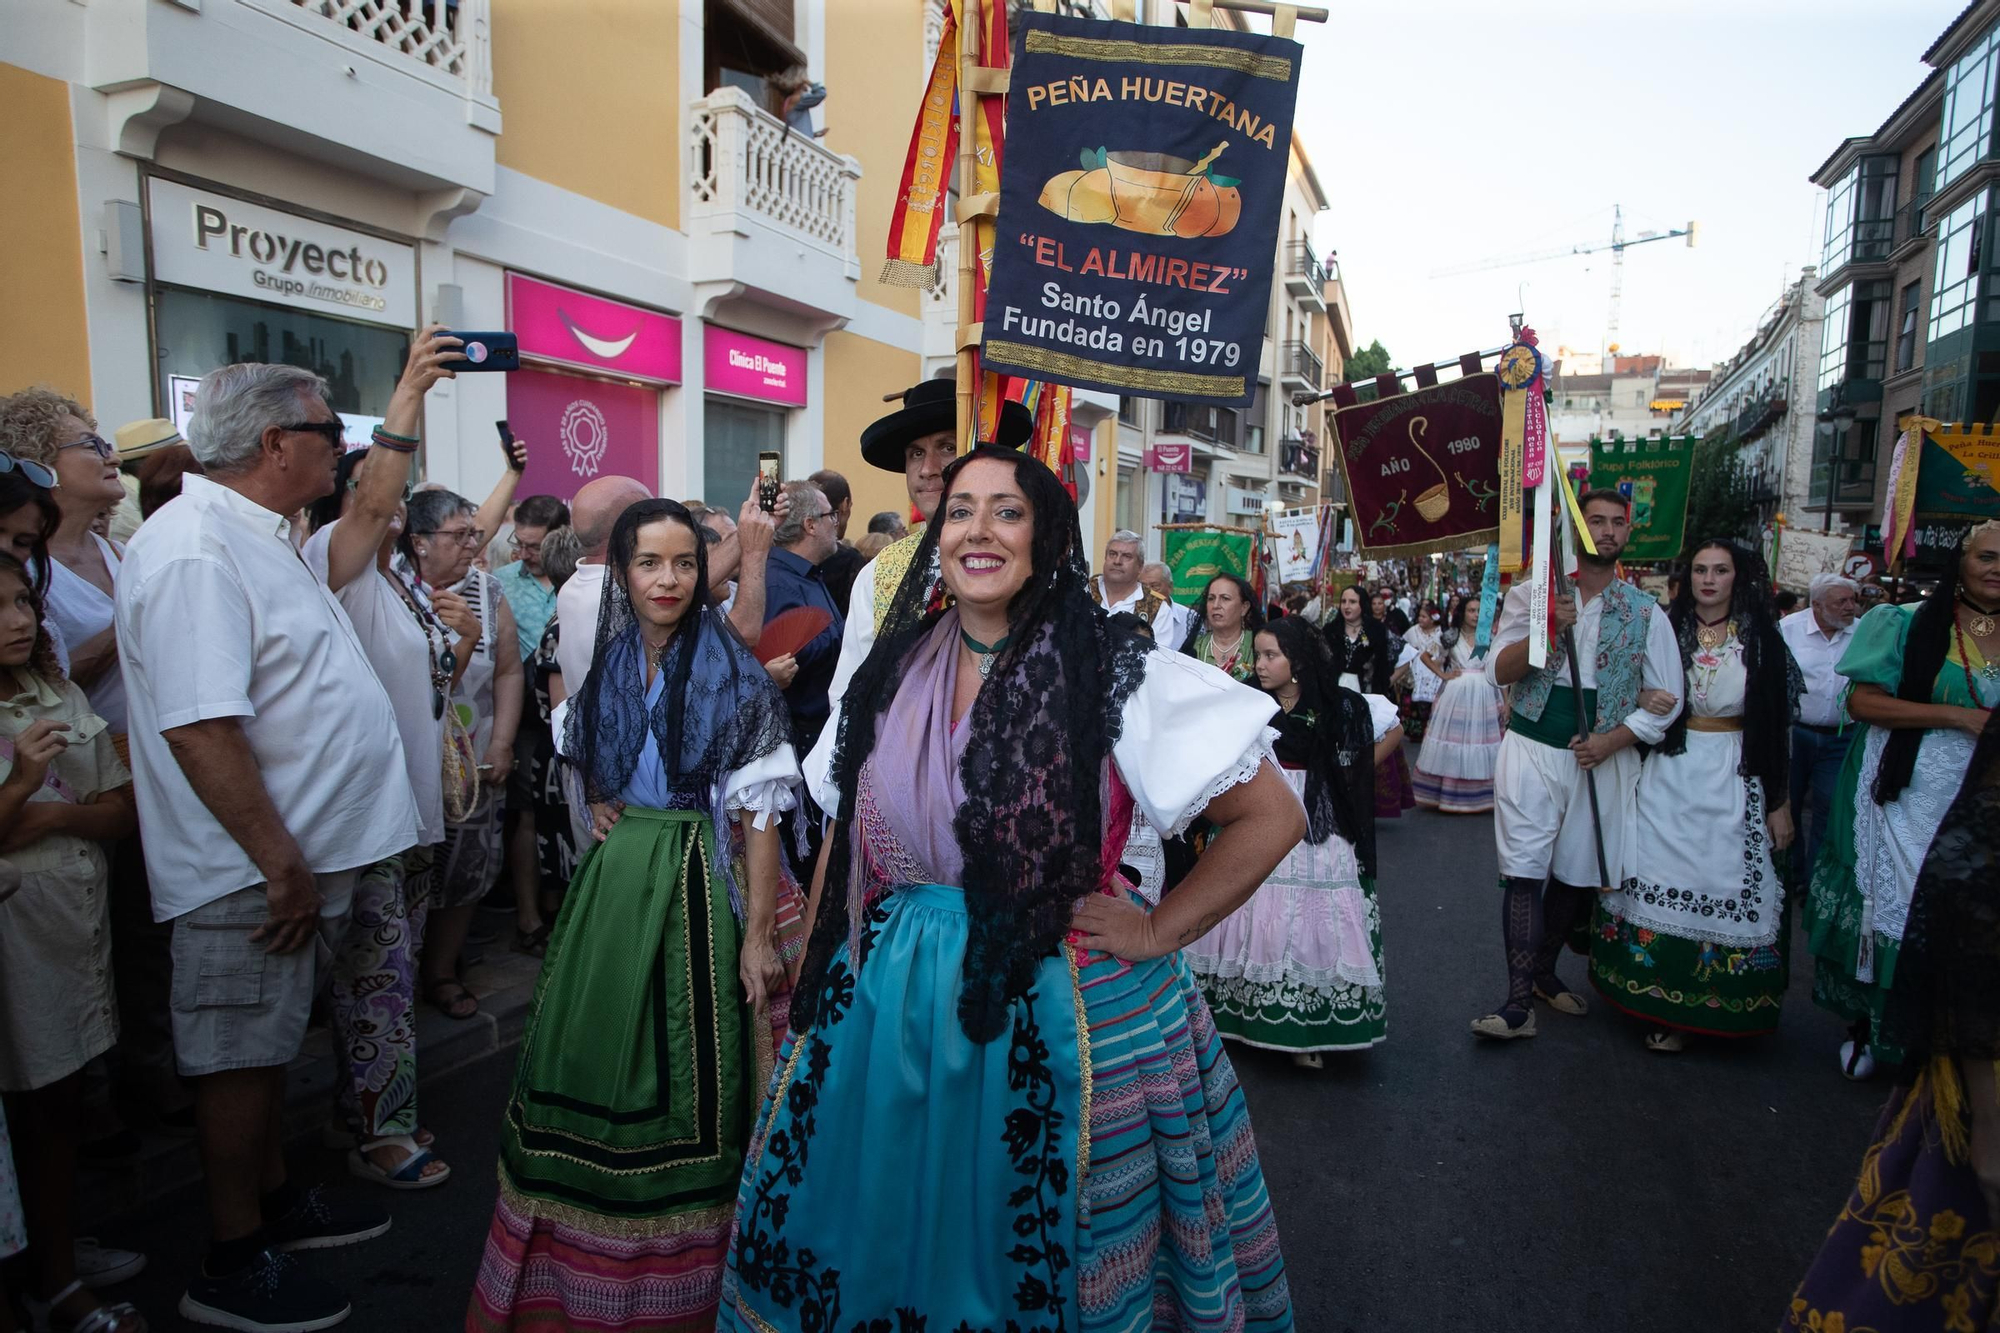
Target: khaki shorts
{"x": 236, "y": 1006}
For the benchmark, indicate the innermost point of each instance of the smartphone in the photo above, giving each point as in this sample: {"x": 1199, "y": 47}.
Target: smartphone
{"x": 768, "y": 464}
{"x": 507, "y": 444}
{"x": 485, "y": 351}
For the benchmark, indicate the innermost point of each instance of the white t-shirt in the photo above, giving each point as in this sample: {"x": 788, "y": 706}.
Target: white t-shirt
{"x": 576, "y": 609}
{"x": 219, "y": 616}
{"x": 395, "y": 644}
{"x": 80, "y": 611}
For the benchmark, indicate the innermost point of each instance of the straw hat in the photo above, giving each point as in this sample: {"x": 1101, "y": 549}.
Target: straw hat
{"x": 136, "y": 439}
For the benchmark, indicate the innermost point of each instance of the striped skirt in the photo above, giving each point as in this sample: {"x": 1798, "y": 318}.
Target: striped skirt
{"x": 1455, "y": 765}
{"x": 1095, "y": 1172}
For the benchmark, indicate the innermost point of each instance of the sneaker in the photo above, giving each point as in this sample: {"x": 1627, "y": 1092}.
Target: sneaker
{"x": 103, "y": 1266}
{"x": 272, "y": 1295}
{"x": 323, "y": 1221}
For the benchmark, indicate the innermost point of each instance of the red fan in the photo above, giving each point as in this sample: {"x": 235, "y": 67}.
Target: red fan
{"x": 789, "y": 631}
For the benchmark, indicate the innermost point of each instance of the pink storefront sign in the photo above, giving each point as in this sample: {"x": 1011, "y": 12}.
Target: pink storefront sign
{"x": 746, "y": 367}
{"x": 577, "y": 329}
{"x": 1170, "y": 458}
{"x": 1079, "y": 443}
{"x": 579, "y": 428}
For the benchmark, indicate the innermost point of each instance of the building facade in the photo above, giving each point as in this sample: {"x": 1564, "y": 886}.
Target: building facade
{"x": 1881, "y": 337}
{"x": 1638, "y": 396}
{"x": 692, "y": 280}
{"x": 1765, "y": 398}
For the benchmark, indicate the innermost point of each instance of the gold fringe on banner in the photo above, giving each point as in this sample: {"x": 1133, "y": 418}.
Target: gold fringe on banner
{"x": 1067, "y": 366}
{"x": 1148, "y": 53}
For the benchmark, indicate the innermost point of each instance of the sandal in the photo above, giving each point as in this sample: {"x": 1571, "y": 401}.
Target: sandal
{"x": 449, "y": 997}
{"x": 534, "y": 943}
{"x": 341, "y": 1132}
{"x": 1309, "y": 1060}
{"x": 411, "y": 1175}
{"x": 1563, "y": 1000}
{"x": 122, "y": 1317}
{"x": 1666, "y": 1043}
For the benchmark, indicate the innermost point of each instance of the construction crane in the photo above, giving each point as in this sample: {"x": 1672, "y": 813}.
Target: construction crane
{"x": 1617, "y": 245}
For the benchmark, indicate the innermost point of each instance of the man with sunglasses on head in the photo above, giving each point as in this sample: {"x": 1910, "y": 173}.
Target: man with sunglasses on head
{"x": 268, "y": 770}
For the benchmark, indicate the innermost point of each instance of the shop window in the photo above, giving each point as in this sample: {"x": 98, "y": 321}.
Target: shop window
{"x": 734, "y": 433}
{"x": 200, "y": 331}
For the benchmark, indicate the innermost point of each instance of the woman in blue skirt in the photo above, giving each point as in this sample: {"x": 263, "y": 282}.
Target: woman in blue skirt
{"x": 1004, "y": 1103}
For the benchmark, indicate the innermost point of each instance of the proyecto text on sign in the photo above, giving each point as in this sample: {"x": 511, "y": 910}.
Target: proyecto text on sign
{"x": 1139, "y": 207}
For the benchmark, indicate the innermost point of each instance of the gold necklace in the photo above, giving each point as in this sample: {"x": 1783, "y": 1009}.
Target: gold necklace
{"x": 1713, "y": 635}
{"x": 1980, "y": 623}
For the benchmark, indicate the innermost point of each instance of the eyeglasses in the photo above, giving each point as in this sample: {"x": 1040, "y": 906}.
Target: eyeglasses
{"x": 40, "y": 474}
{"x": 334, "y": 432}
{"x": 463, "y": 536}
{"x": 105, "y": 448}
{"x": 526, "y": 548}
{"x": 822, "y": 515}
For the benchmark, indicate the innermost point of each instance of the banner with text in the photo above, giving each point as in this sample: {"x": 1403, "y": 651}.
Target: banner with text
{"x": 1139, "y": 209}
{"x": 1295, "y": 535}
{"x": 1653, "y": 475}
{"x": 1958, "y": 473}
{"x": 1196, "y": 555}
{"x": 1423, "y": 468}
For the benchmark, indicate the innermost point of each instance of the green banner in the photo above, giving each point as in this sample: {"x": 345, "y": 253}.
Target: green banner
{"x": 1653, "y": 475}
{"x": 1196, "y": 555}
{"x": 1956, "y": 476}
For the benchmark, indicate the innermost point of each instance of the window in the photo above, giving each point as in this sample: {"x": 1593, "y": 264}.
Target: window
{"x": 1922, "y": 188}
{"x": 1253, "y": 427}
{"x": 199, "y": 331}
{"x": 1843, "y": 471}
{"x": 1132, "y": 411}
{"x": 1906, "y": 335}
{"x": 1957, "y": 285}
{"x": 1967, "y": 125}
{"x": 1855, "y": 338}
{"x": 748, "y": 43}
{"x": 1861, "y": 213}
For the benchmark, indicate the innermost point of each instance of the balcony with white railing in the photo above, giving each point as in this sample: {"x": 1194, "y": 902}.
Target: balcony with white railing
{"x": 397, "y": 90}
{"x": 770, "y": 211}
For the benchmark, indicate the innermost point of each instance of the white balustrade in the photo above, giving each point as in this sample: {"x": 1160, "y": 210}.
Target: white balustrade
{"x": 453, "y": 40}
{"x": 745, "y": 159}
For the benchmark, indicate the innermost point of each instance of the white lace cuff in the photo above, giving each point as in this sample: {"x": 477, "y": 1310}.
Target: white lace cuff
{"x": 1238, "y": 773}
{"x": 764, "y": 800}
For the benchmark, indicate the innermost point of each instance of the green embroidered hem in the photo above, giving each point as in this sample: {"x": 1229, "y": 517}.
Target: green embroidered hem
{"x": 1293, "y": 1014}
{"x": 1695, "y": 985}
{"x": 639, "y": 1070}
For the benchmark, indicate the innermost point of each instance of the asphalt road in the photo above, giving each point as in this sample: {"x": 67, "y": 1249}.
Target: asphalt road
{"x": 1573, "y": 1182}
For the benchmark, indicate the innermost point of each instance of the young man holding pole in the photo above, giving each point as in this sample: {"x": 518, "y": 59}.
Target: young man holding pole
{"x": 1544, "y": 824}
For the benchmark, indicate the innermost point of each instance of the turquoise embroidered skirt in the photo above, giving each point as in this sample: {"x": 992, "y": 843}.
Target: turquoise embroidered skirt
{"x": 1091, "y": 1168}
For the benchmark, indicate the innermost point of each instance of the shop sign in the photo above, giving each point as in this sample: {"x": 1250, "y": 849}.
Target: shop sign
{"x": 219, "y": 244}
{"x": 575, "y": 328}
{"x": 1079, "y": 443}
{"x": 1170, "y": 458}
{"x": 1240, "y": 501}
{"x": 746, "y": 367}
{"x": 578, "y": 429}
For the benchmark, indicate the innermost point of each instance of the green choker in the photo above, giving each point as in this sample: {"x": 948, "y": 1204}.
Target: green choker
{"x": 985, "y": 652}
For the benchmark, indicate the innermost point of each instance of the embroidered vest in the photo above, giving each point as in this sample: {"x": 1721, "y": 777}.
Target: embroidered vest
{"x": 1621, "y": 654}
{"x": 1147, "y": 607}
{"x": 890, "y": 566}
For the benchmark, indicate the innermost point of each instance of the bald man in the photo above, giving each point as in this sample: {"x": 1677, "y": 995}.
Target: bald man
{"x": 592, "y": 513}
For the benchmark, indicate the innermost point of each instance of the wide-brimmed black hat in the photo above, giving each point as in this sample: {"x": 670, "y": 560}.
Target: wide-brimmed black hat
{"x": 930, "y": 407}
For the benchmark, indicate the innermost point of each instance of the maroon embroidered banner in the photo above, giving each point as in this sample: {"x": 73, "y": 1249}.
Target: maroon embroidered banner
{"x": 1423, "y": 468}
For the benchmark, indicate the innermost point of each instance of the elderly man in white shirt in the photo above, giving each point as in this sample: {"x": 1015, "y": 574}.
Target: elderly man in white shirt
{"x": 1175, "y": 622}
{"x": 1119, "y": 588}
{"x": 1818, "y": 636}
{"x": 269, "y": 771}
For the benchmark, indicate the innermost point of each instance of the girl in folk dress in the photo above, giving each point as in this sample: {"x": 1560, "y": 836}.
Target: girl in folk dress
{"x": 1462, "y": 744}
{"x": 1299, "y": 967}
{"x": 1694, "y": 940}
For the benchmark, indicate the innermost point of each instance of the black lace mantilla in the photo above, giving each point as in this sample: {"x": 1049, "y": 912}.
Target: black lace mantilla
{"x": 799, "y": 1278}
{"x": 1031, "y": 827}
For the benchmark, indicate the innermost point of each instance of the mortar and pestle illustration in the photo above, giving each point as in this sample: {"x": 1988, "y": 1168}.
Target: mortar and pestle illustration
{"x": 1154, "y": 193}
{"x": 1435, "y": 503}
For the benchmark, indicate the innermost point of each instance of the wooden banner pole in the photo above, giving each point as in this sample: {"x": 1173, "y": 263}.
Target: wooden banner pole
{"x": 969, "y": 32}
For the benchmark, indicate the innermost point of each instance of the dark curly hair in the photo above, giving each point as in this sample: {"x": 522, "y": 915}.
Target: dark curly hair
{"x": 42, "y": 657}
{"x": 1253, "y": 615}
{"x": 1772, "y": 683}
{"x": 1032, "y": 825}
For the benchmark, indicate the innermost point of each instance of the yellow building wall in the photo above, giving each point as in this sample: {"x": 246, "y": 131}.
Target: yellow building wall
{"x": 858, "y": 372}
{"x": 47, "y": 339}
{"x": 875, "y": 80}
{"x": 591, "y": 94}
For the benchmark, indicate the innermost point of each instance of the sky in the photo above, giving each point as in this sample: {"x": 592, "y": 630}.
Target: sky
{"x": 1447, "y": 132}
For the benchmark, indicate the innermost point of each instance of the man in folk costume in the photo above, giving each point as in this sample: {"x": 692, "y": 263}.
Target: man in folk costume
{"x": 919, "y": 440}
{"x": 1543, "y": 821}
{"x": 1119, "y": 587}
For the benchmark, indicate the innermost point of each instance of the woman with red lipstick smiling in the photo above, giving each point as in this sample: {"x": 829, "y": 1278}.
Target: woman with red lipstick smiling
{"x": 647, "y": 1041}
{"x": 998, "y": 1057}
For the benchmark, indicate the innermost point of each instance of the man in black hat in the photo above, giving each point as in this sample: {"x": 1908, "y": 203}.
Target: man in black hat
{"x": 919, "y": 440}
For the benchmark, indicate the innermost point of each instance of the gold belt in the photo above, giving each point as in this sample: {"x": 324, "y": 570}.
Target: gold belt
{"x": 1715, "y": 724}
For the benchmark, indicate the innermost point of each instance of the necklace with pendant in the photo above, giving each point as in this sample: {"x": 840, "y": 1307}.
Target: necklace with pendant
{"x": 1981, "y": 623}
{"x": 1712, "y": 634}
{"x": 985, "y": 652}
